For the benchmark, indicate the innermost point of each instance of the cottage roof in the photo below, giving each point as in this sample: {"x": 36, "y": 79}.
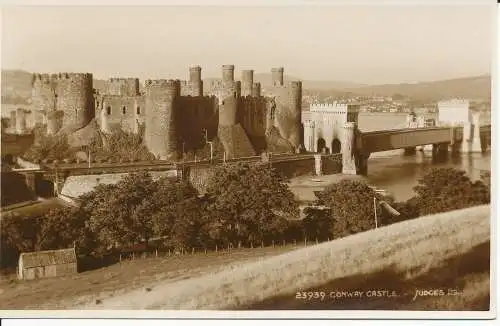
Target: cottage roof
{"x": 49, "y": 257}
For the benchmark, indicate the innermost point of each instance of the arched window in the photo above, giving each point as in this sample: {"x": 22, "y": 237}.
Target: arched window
{"x": 108, "y": 110}
{"x": 138, "y": 110}
{"x": 124, "y": 110}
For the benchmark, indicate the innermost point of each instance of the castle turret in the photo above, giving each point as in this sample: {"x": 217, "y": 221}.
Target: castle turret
{"x": 277, "y": 76}
{"x": 160, "y": 133}
{"x": 75, "y": 98}
{"x": 246, "y": 82}
{"x": 256, "y": 90}
{"x": 195, "y": 82}
{"x": 227, "y": 73}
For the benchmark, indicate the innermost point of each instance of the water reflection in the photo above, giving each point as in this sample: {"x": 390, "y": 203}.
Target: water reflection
{"x": 399, "y": 174}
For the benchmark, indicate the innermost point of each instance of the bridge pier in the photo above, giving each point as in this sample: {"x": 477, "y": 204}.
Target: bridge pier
{"x": 317, "y": 165}
{"x": 439, "y": 151}
{"x": 410, "y": 151}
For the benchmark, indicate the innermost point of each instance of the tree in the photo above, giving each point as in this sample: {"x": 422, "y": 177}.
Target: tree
{"x": 122, "y": 213}
{"x": 49, "y": 147}
{"x": 446, "y": 189}
{"x": 248, "y": 203}
{"x": 351, "y": 204}
{"x": 119, "y": 145}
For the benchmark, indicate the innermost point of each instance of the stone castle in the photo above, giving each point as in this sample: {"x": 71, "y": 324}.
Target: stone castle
{"x": 176, "y": 116}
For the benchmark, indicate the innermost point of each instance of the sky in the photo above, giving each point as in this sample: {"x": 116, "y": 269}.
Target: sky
{"x": 366, "y": 44}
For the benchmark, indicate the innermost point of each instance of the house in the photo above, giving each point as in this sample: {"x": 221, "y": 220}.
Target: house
{"x": 50, "y": 263}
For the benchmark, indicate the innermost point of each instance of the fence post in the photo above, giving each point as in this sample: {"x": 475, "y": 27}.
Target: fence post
{"x": 192, "y": 251}
{"x": 239, "y": 244}
{"x": 316, "y": 240}
{"x": 120, "y": 258}
{"x": 294, "y": 242}
{"x": 215, "y": 248}
{"x": 251, "y": 244}
{"x": 156, "y": 252}
{"x": 133, "y": 255}
{"x": 273, "y": 244}
{"x": 305, "y": 241}
{"x": 262, "y": 244}
{"x": 205, "y": 251}
{"x": 169, "y": 252}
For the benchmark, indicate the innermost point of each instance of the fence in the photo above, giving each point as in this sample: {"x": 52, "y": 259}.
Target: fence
{"x": 217, "y": 249}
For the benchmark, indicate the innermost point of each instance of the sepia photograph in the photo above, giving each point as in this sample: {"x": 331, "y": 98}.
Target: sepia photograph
{"x": 328, "y": 158}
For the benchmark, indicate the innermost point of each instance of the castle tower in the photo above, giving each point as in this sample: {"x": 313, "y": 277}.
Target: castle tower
{"x": 104, "y": 125}
{"x": 227, "y": 73}
{"x": 160, "y": 133}
{"x": 277, "y": 76}
{"x": 295, "y": 114}
{"x": 20, "y": 121}
{"x": 246, "y": 83}
{"x": 196, "y": 84}
{"x": 256, "y": 90}
{"x": 75, "y": 98}
{"x": 348, "y": 150}
{"x": 309, "y": 136}
{"x": 43, "y": 92}
{"x": 228, "y": 111}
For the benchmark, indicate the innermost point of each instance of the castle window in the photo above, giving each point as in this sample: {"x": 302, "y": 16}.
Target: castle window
{"x": 124, "y": 110}
{"x": 108, "y": 110}
{"x": 138, "y": 110}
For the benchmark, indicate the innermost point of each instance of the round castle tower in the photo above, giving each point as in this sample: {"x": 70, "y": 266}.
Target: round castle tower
{"x": 43, "y": 92}
{"x": 227, "y": 73}
{"x": 228, "y": 111}
{"x": 295, "y": 113}
{"x": 160, "y": 133}
{"x": 75, "y": 98}
{"x": 247, "y": 83}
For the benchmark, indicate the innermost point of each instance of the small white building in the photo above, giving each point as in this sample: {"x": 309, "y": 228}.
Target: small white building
{"x": 454, "y": 112}
{"x": 50, "y": 263}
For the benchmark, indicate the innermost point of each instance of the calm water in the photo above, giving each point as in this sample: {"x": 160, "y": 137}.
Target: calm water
{"x": 399, "y": 174}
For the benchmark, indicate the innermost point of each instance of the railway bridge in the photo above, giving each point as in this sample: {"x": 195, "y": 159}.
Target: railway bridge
{"x": 358, "y": 146}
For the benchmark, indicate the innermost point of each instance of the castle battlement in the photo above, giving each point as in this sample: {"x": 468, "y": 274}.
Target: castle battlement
{"x": 162, "y": 83}
{"x": 335, "y": 106}
{"x": 453, "y": 102}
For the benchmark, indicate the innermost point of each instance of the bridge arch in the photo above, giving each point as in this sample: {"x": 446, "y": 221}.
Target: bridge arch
{"x": 336, "y": 146}
{"x": 321, "y": 145}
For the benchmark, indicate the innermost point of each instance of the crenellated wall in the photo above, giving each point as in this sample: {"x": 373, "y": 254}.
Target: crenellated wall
{"x": 122, "y": 86}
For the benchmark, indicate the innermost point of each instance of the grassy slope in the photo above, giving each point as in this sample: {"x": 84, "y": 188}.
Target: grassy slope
{"x": 440, "y": 251}
{"x": 86, "y": 287}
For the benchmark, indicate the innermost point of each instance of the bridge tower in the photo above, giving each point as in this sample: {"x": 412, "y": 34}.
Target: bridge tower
{"x": 309, "y": 136}
{"x": 349, "y": 149}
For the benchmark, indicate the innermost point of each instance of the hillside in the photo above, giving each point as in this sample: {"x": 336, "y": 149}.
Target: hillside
{"x": 448, "y": 252}
{"x": 470, "y": 87}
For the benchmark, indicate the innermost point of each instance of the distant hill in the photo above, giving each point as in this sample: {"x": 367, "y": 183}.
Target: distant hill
{"x": 16, "y": 87}
{"x": 469, "y": 87}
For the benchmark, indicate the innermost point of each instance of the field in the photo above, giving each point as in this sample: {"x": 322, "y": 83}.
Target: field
{"x": 447, "y": 252}
{"x": 87, "y": 287}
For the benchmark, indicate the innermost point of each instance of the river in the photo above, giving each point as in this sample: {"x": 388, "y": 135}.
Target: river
{"x": 399, "y": 174}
